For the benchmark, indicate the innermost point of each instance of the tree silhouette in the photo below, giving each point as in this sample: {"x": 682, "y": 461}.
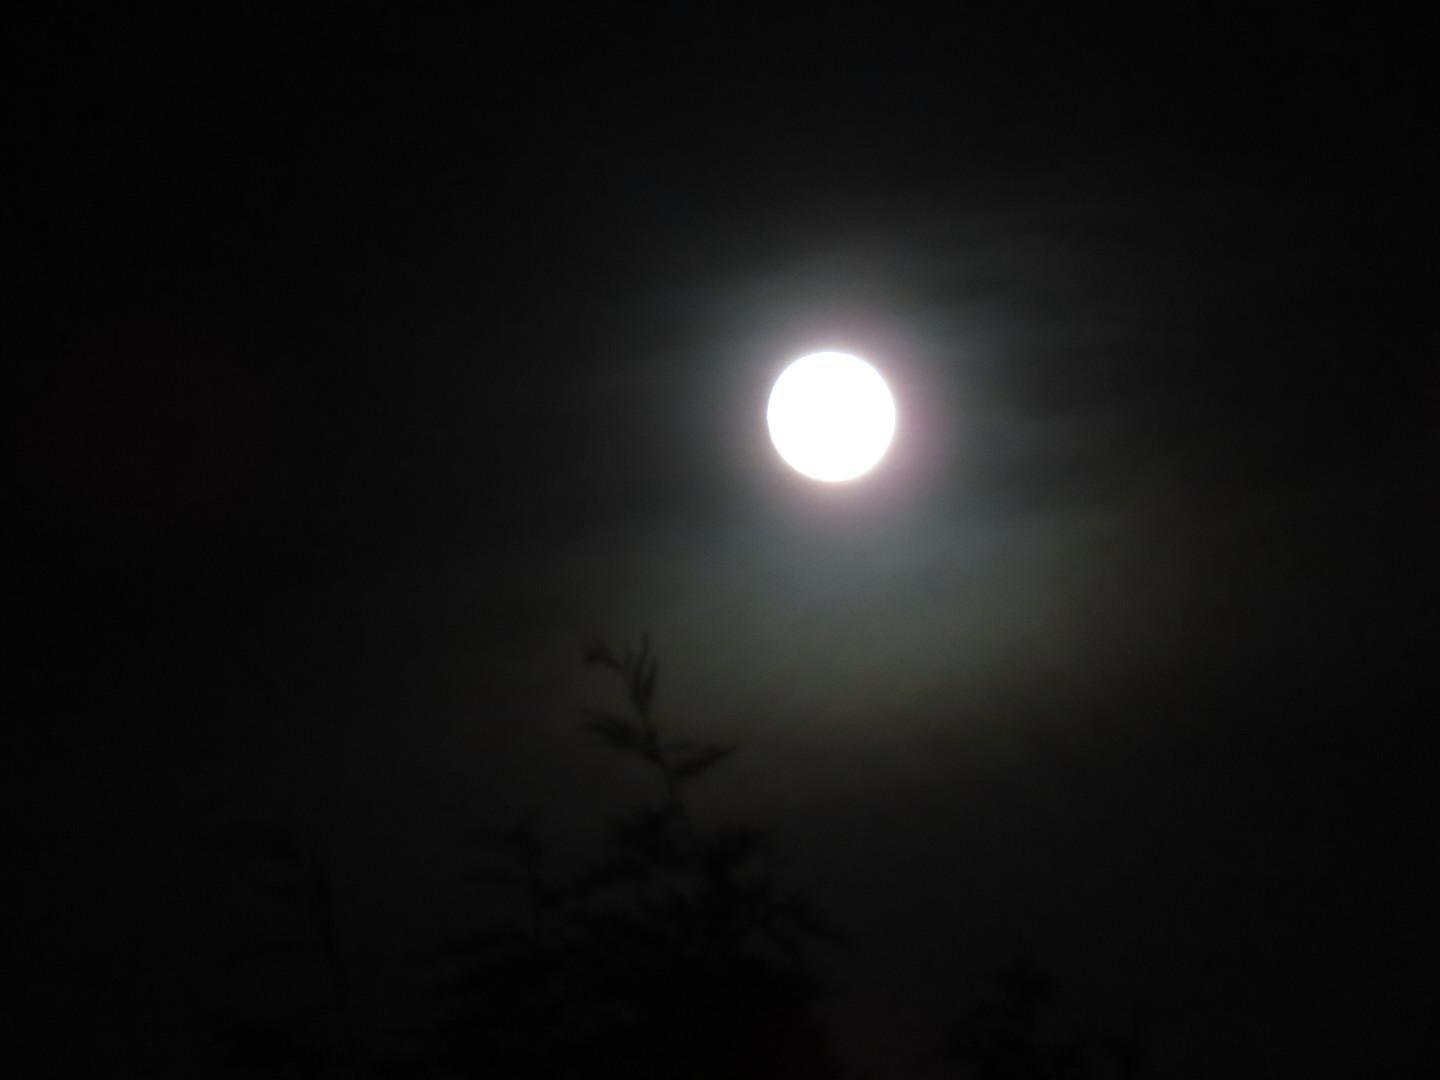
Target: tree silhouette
{"x": 677, "y": 953}
{"x": 312, "y": 1037}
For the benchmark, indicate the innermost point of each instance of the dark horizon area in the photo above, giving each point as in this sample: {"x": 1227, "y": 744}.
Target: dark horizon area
{"x": 376, "y": 364}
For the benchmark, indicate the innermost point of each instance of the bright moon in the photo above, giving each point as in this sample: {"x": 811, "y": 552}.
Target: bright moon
{"x": 831, "y": 416}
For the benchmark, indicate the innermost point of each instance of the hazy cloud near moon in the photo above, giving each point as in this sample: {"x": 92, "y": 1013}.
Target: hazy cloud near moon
{"x": 1059, "y": 527}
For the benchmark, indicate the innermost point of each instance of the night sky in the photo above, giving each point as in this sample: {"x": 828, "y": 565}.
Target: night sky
{"x": 376, "y": 362}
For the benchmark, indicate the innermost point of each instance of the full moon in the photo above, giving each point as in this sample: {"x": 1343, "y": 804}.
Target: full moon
{"x": 831, "y": 416}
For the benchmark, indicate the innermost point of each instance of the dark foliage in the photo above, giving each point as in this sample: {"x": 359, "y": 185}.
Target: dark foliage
{"x": 678, "y": 953}
{"x": 304, "y": 1034}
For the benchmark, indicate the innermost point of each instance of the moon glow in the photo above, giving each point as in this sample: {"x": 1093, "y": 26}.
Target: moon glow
{"x": 831, "y": 416}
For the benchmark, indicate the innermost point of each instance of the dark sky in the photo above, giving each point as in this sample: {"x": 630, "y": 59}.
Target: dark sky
{"x": 382, "y": 359}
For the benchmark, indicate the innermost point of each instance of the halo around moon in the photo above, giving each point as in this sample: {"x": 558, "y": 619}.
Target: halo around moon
{"x": 831, "y": 416}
